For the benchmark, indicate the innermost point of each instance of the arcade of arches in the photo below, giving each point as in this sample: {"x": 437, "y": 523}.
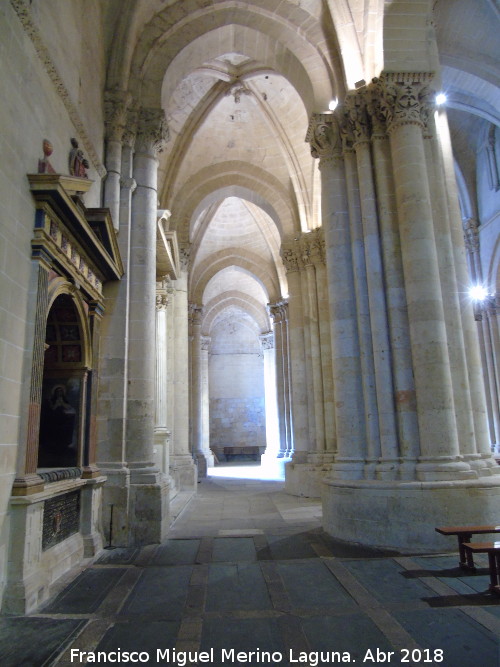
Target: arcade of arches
{"x": 245, "y": 228}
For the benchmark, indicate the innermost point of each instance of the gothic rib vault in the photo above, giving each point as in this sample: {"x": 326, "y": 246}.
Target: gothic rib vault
{"x": 313, "y": 251}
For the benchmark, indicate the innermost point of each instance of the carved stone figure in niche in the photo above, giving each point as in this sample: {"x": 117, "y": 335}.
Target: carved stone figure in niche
{"x": 44, "y": 166}
{"x": 58, "y": 424}
{"x": 78, "y": 165}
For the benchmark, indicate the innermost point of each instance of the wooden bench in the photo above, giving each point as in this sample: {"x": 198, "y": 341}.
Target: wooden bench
{"x": 464, "y": 534}
{"x": 493, "y": 551}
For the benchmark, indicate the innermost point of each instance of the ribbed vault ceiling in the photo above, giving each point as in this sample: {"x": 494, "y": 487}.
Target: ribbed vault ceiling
{"x": 238, "y": 82}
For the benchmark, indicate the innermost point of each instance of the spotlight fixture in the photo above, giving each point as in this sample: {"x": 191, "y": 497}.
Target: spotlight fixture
{"x": 332, "y": 105}
{"x": 440, "y": 98}
{"x": 478, "y": 292}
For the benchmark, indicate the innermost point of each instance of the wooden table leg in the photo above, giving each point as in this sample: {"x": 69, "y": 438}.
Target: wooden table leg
{"x": 466, "y": 557}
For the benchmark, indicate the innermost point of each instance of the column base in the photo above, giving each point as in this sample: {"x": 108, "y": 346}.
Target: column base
{"x": 183, "y": 472}
{"x": 149, "y": 512}
{"x": 201, "y": 464}
{"x": 402, "y": 515}
{"x": 305, "y": 479}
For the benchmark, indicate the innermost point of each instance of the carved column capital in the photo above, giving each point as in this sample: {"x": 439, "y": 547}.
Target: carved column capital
{"x": 116, "y": 104}
{"x": 267, "y": 340}
{"x": 405, "y": 98}
{"x": 195, "y": 313}
{"x": 152, "y": 131}
{"x": 471, "y": 234}
{"x": 205, "y": 343}
{"x": 323, "y": 134}
{"x": 356, "y": 115}
{"x": 291, "y": 255}
{"x": 162, "y": 301}
{"x": 279, "y": 311}
{"x": 374, "y": 107}
{"x": 185, "y": 255}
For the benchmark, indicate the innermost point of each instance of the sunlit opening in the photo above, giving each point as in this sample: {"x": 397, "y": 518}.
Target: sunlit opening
{"x": 332, "y": 105}
{"x": 478, "y": 292}
{"x": 272, "y": 469}
{"x": 441, "y": 98}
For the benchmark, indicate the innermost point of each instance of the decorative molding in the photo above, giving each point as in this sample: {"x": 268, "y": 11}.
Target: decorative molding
{"x": 279, "y": 311}
{"x": 24, "y": 15}
{"x": 323, "y": 134}
{"x": 205, "y": 343}
{"x": 290, "y": 254}
{"x": 152, "y": 131}
{"x": 471, "y": 234}
{"x": 267, "y": 340}
{"x": 356, "y": 116}
{"x": 162, "y": 301}
{"x": 185, "y": 255}
{"x": 116, "y": 104}
{"x": 406, "y": 98}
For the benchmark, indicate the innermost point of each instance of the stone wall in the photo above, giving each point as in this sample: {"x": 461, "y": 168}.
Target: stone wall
{"x": 236, "y": 387}
{"x": 41, "y": 98}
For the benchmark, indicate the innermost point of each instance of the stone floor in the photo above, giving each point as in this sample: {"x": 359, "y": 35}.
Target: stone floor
{"x": 247, "y": 567}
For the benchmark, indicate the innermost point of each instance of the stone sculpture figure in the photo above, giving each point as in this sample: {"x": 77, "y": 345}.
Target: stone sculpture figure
{"x": 78, "y": 165}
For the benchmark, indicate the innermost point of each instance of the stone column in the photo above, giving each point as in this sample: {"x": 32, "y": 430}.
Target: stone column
{"x": 112, "y": 395}
{"x": 279, "y": 316}
{"x": 195, "y": 312}
{"x": 183, "y": 469}
{"x": 370, "y": 409}
{"x": 468, "y": 356}
{"x": 272, "y": 434}
{"x": 116, "y": 104}
{"x": 319, "y": 260}
{"x": 148, "y": 488}
{"x": 161, "y": 432}
{"x": 406, "y": 108}
{"x": 313, "y": 357}
{"x": 298, "y": 377}
{"x": 485, "y": 329}
{"x": 205, "y": 402}
{"x": 324, "y": 136}
{"x": 488, "y": 320}
{"x": 357, "y": 114}
{"x": 402, "y": 368}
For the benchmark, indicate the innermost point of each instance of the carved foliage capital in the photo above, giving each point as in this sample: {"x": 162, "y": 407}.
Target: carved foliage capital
{"x": 267, "y": 340}
{"x": 184, "y": 256}
{"x": 405, "y": 99}
{"x": 152, "y": 131}
{"x": 356, "y": 116}
{"x": 323, "y": 135}
{"x": 116, "y": 104}
{"x": 290, "y": 254}
{"x": 471, "y": 235}
{"x": 279, "y": 311}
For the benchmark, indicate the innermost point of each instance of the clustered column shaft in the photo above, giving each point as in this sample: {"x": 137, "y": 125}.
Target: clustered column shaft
{"x": 405, "y": 365}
